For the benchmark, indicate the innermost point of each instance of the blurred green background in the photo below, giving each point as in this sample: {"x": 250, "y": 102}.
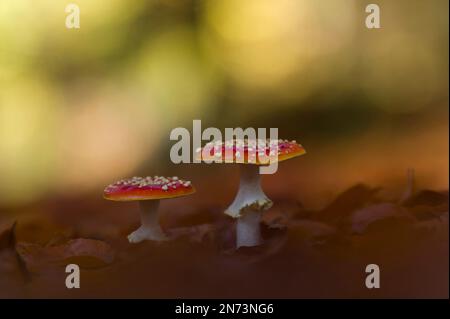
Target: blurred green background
{"x": 80, "y": 108}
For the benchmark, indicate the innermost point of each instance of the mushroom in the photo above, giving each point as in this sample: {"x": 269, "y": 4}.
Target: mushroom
{"x": 148, "y": 191}
{"x": 250, "y": 200}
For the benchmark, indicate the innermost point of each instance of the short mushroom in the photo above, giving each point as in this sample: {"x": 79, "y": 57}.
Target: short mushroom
{"x": 250, "y": 200}
{"x": 148, "y": 191}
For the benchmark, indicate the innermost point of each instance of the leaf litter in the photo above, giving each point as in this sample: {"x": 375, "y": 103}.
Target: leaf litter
{"x": 358, "y": 226}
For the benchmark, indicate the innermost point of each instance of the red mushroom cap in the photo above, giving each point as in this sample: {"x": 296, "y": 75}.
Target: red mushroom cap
{"x": 248, "y": 152}
{"x": 147, "y": 188}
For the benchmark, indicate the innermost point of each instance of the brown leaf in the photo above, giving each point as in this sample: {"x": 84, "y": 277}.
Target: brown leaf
{"x": 281, "y": 213}
{"x": 363, "y": 218}
{"x": 428, "y": 198}
{"x": 11, "y": 276}
{"x": 96, "y": 229}
{"x": 426, "y": 212}
{"x": 346, "y": 203}
{"x": 435, "y": 227}
{"x": 7, "y": 234}
{"x": 226, "y": 234}
{"x": 311, "y": 232}
{"x": 197, "y": 233}
{"x": 7, "y": 245}
{"x": 39, "y": 229}
{"x": 86, "y": 253}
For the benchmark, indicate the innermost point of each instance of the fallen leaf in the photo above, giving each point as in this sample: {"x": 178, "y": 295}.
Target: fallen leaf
{"x": 187, "y": 216}
{"x": 11, "y": 277}
{"x": 426, "y": 212}
{"x": 39, "y": 229}
{"x": 346, "y": 203}
{"x": 95, "y": 229}
{"x": 7, "y": 234}
{"x": 436, "y": 227}
{"x": 86, "y": 253}
{"x": 7, "y": 247}
{"x": 311, "y": 232}
{"x": 363, "y": 218}
{"x": 281, "y": 213}
{"x": 196, "y": 233}
{"x": 428, "y": 198}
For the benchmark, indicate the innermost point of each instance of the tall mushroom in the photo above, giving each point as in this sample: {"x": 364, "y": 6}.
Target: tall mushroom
{"x": 148, "y": 191}
{"x": 250, "y": 200}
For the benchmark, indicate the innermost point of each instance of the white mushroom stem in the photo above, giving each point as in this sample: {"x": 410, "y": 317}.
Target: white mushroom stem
{"x": 248, "y": 230}
{"x": 150, "y": 228}
{"x": 250, "y": 201}
{"x": 410, "y": 185}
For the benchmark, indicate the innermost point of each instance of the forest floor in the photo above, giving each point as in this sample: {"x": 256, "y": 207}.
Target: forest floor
{"x": 307, "y": 253}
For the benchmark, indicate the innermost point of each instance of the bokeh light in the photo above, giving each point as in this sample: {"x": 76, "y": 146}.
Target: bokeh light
{"x": 79, "y": 108}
